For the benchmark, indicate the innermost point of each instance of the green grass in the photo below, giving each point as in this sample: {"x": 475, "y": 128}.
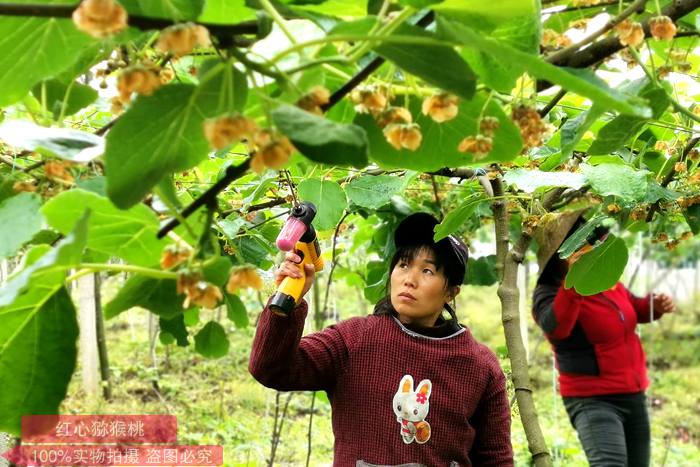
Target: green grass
{"x": 218, "y": 402}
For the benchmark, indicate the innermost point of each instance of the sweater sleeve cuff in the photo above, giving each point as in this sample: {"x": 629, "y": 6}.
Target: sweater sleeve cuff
{"x": 298, "y": 314}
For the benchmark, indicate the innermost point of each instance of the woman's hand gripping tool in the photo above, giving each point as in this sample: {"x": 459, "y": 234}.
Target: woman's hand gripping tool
{"x": 299, "y": 235}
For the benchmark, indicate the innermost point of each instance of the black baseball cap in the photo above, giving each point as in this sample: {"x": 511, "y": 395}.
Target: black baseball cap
{"x": 419, "y": 229}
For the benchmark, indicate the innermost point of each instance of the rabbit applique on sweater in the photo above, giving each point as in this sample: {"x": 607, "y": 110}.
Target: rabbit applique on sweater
{"x": 411, "y": 408}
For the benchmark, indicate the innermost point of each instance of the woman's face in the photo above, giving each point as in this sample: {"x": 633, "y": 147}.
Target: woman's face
{"x": 418, "y": 291}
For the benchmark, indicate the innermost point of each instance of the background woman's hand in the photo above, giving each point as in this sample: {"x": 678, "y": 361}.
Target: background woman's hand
{"x": 663, "y": 304}
{"x": 290, "y": 268}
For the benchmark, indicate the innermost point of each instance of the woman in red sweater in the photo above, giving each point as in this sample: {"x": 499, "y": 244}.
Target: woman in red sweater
{"x": 601, "y": 363}
{"x": 406, "y": 385}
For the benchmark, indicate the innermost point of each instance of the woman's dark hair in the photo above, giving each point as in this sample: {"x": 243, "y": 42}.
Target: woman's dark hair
{"x": 445, "y": 261}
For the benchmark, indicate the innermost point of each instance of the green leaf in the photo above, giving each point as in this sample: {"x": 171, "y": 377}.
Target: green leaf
{"x": 577, "y": 81}
{"x": 231, "y": 225}
{"x": 156, "y": 295}
{"x": 211, "y": 341}
{"x": 486, "y": 16}
{"x": 605, "y": 179}
{"x": 329, "y": 199}
{"x": 226, "y": 12}
{"x": 457, "y": 217}
{"x": 692, "y": 217}
{"x": 482, "y": 271}
{"x": 72, "y": 145}
{"x": 74, "y": 96}
{"x": 175, "y": 327}
{"x": 191, "y": 317}
{"x": 37, "y": 354}
{"x": 440, "y": 140}
{"x": 573, "y": 130}
{"x": 530, "y": 180}
{"x": 20, "y": 220}
{"x": 373, "y": 191}
{"x": 33, "y": 49}
{"x": 178, "y": 10}
{"x": 129, "y": 234}
{"x": 255, "y": 249}
{"x": 599, "y": 269}
{"x": 163, "y": 133}
{"x": 235, "y": 310}
{"x": 320, "y": 139}
{"x": 620, "y": 129}
{"x": 49, "y": 270}
{"x": 453, "y": 73}
{"x": 418, "y": 4}
{"x": 578, "y": 238}
{"x": 522, "y": 33}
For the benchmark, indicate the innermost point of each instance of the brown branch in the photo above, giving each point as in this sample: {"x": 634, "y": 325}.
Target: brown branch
{"x": 367, "y": 70}
{"x": 604, "y": 48}
{"x": 553, "y": 103}
{"x": 457, "y": 173}
{"x": 509, "y": 295}
{"x": 136, "y": 21}
{"x": 334, "y": 262}
{"x": 671, "y": 175}
{"x": 636, "y": 7}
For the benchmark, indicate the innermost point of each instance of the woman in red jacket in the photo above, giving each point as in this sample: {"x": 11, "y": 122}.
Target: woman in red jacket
{"x": 601, "y": 363}
{"x": 407, "y": 386}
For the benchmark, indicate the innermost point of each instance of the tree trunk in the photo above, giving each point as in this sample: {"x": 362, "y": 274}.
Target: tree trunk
{"x": 507, "y": 262}
{"x": 89, "y": 357}
{"x": 102, "y": 341}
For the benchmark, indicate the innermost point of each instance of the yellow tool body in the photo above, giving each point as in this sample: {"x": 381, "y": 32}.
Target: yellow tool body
{"x": 307, "y": 248}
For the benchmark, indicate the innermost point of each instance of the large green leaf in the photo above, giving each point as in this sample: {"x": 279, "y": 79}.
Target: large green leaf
{"x": 211, "y": 340}
{"x": 157, "y": 295}
{"x": 457, "y": 217}
{"x": 487, "y": 16}
{"x": 160, "y": 295}
{"x": 129, "y": 234}
{"x": 599, "y": 269}
{"x": 571, "y": 133}
{"x": 163, "y": 133}
{"x": 226, "y": 12}
{"x": 320, "y": 139}
{"x": 577, "y": 81}
{"x": 440, "y": 140}
{"x": 605, "y": 179}
{"x": 37, "y": 354}
{"x": 63, "y": 99}
{"x": 235, "y": 310}
{"x": 48, "y": 270}
{"x": 453, "y": 73}
{"x": 178, "y": 10}
{"x": 174, "y": 327}
{"x": 692, "y": 217}
{"x": 578, "y": 238}
{"x": 620, "y": 129}
{"x": 72, "y": 145}
{"x": 373, "y": 191}
{"x": 329, "y": 199}
{"x": 20, "y": 220}
{"x": 522, "y": 33}
{"x": 482, "y": 271}
{"x": 33, "y": 49}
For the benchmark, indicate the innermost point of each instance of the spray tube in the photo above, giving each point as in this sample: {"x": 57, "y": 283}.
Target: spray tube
{"x": 297, "y": 234}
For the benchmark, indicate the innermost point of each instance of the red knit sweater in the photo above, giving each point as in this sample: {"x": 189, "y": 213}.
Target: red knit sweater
{"x": 397, "y": 397}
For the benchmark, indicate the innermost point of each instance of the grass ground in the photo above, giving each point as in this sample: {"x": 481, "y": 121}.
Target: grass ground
{"x": 218, "y": 402}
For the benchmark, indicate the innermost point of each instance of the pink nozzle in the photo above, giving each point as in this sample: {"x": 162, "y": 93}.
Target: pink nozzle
{"x": 290, "y": 234}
